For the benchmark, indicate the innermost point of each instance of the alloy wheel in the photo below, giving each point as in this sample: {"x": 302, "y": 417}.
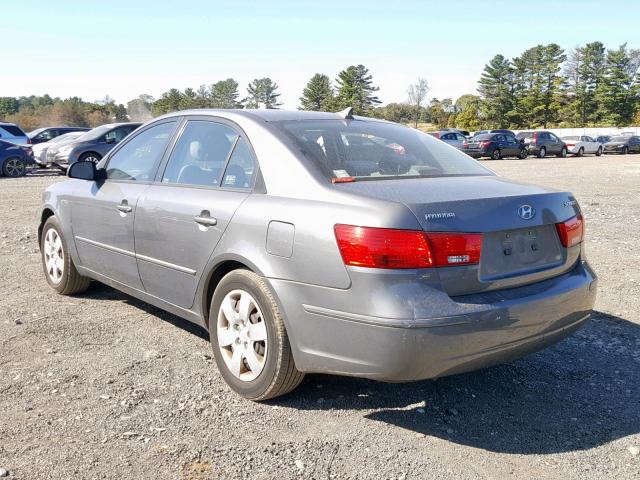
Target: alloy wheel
{"x": 14, "y": 167}
{"x": 242, "y": 335}
{"x": 53, "y": 255}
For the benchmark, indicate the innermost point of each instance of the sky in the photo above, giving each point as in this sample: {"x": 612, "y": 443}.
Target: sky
{"x": 121, "y": 48}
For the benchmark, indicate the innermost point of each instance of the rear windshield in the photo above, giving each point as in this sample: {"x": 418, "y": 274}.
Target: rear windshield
{"x": 571, "y": 138}
{"x": 524, "y": 135}
{"x": 376, "y": 151}
{"x": 13, "y": 130}
{"x": 484, "y": 136}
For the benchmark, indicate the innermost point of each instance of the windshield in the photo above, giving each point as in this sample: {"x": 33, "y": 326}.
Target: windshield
{"x": 375, "y": 150}
{"x": 571, "y": 138}
{"x": 95, "y": 133}
{"x": 619, "y": 139}
{"x": 33, "y": 133}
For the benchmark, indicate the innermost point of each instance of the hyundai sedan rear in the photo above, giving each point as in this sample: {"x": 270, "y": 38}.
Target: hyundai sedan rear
{"x": 322, "y": 242}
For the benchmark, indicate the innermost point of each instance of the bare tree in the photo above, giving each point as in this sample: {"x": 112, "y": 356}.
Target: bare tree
{"x": 418, "y": 95}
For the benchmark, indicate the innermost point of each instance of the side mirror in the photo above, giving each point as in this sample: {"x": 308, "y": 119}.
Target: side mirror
{"x": 86, "y": 170}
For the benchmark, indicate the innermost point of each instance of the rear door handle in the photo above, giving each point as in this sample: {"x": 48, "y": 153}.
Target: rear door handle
{"x": 124, "y": 207}
{"x": 205, "y": 219}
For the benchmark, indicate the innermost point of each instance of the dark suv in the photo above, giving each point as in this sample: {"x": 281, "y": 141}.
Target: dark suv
{"x": 495, "y": 146}
{"x": 41, "y": 135}
{"x": 541, "y": 143}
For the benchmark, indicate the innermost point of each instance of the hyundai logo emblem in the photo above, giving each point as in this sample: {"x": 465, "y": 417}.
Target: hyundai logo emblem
{"x": 526, "y": 212}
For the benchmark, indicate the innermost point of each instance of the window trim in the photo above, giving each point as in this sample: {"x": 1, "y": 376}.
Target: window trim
{"x": 104, "y": 164}
{"x": 257, "y": 183}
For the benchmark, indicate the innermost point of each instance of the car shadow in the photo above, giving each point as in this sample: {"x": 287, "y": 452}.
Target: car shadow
{"x": 99, "y": 291}
{"x": 578, "y": 394}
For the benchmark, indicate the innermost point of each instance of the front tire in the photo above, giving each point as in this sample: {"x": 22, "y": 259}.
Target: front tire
{"x": 599, "y": 152}
{"x": 249, "y": 339}
{"x": 59, "y": 270}
{"x": 542, "y": 152}
{"x": 580, "y": 152}
{"x": 90, "y": 157}
{"x": 563, "y": 153}
{"x": 496, "y": 155}
{"x": 523, "y": 154}
{"x": 625, "y": 150}
{"x": 14, "y": 167}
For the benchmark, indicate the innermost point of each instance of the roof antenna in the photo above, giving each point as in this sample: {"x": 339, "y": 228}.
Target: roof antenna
{"x": 347, "y": 113}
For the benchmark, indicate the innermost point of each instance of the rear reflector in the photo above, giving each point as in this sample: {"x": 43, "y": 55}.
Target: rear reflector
{"x": 390, "y": 248}
{"x": 571, "y": 232}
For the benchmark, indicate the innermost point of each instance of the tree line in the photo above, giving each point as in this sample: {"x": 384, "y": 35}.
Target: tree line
{"x": 543, "y": 87}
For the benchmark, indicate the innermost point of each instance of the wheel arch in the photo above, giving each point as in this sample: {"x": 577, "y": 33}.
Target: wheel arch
{"x": 215, "y": 274}
{"x": 47, "y": 212}
{"x": 90, "y": 152}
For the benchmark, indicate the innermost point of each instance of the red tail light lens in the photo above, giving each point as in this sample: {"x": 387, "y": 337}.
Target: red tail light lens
{"x": 571, "y": 232}
{"x": 389, "y": 248}
{"x": 485, "y": 143}
{"x": 465, "y": 144}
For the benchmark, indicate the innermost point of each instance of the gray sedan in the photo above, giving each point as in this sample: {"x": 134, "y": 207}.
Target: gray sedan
{"x": 322, "y": 242}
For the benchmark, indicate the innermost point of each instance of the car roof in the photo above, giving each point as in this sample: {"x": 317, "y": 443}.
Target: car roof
{"x": 269, "y": 115}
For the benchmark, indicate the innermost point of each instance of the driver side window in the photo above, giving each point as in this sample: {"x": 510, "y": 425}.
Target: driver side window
{"x": 138, "y": 158}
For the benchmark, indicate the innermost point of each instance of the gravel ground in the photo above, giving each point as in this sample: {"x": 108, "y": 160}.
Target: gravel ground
{"x": 104, "y": 386}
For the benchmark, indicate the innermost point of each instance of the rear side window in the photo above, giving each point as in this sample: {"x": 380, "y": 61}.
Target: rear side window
{"x": 241, "y": 169}
{"x": 200, "y": 155}
{"x": 370, "y": 150}
{"x": 13, "y": 130}
{"x": 138, "y": 158}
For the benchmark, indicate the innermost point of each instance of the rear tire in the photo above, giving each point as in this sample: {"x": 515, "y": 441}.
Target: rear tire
{"x": 563, "y": 152}
{"x": 599, "y": 152}
{"x": 523, "y": 154}
{"x": 542, "y": 152}
{"x": 496, "y": 155}
{"x": 14, "y": 167}
{"x": 275, "y": 374}
{"x": 59, "y": 270}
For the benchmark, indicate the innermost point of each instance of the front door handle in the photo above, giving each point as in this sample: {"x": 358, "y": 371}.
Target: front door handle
{"x": 205, "y": 219}
{"x": 124, "y": 207}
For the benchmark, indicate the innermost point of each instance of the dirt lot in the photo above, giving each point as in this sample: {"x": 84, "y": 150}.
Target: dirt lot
{"x": 104, "y": 386}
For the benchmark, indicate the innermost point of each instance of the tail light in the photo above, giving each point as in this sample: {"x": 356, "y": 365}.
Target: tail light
{"x": 571, "y": 145}
{"x": 465, "y": 144}
{"x": 390, "y": 248}
{"x": 485, "y": 143}
{"x": 534, "y": 139}
{"x": 571, "y": 232}
{"x": 29, "y": 141}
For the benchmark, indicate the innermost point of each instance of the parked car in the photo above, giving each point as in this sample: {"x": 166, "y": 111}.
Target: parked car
{"x": 458, "y": 130}
{"x": 41, "y": 135}
{"x": 482, "y": 132}
{"x": 14, "y": 159}
{"x": 10, "y": 132}
{"x": 91, "y": 146}
{"x": 623, "y": 144}
{"x": 541, "y": 143}
{"x": 578, "y": 145}
{"x": 40, "y": 149}
{"x": 495, "y": 146}
{"x": 302, "y": 251}
{"x": 454, "y": 139}
{"x": 603, "y": 139}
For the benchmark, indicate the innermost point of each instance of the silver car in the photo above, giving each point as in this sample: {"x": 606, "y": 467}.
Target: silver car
{"x": 322, "y": 242}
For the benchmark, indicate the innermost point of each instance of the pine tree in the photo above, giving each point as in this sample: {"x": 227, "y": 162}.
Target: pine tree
{"x": 224, "y": 94}
{"x": 318, "y": 94}
{"x": 495, "y": 87}
{"x": 262, "y": 91}
{"x": 619, "y": 92}
{"x": 355, "y": 89}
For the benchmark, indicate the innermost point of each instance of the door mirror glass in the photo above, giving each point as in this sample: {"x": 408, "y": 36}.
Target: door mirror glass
{"x": 85, "y": 170}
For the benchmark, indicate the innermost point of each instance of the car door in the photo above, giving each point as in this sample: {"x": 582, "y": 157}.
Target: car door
{"x": 512, "y": 145}
{"x": 634, "y": 144}
{"x": 182, "y": 216}
{"x": 555, "y": 144}
{"x": 102, "y": 213}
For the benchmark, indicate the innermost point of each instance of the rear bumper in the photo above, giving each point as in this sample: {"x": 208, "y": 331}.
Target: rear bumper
{"x": 468, "y": 333}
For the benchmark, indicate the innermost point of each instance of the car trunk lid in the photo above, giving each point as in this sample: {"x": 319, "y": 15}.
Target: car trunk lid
{"x": 520, "y": 242}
